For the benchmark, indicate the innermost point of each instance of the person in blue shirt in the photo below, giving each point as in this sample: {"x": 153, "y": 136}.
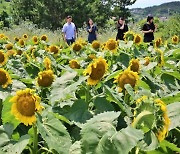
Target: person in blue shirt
{"x": 92, "y": 30}
{"x": 69, "y": 31}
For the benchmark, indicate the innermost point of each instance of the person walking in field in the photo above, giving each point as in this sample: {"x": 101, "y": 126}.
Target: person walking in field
{"x": 122, "y": 29}
{"x": 92, "y": 30}
{"x": 69, "y": 31}
{"x": 148, "y": 30}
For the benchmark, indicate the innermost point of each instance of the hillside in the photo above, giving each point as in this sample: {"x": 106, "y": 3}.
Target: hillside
{"x": 163, "y": 10}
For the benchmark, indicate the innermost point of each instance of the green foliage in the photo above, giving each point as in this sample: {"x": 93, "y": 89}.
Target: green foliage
{"x": 54, "y": 133}
{"x": 52, "y": 14}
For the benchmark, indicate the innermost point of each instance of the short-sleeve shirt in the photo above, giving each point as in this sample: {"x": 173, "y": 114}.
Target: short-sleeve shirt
{"x": 148, "y": 37}
{"x": 69, "y": 30}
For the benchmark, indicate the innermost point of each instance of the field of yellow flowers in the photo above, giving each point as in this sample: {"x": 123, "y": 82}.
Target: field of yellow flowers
{"x": 114, "y": 97}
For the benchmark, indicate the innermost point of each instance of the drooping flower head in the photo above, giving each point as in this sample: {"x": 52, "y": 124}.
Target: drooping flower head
{"x": 158, "y": 42}
{"x": 47, "y": 63}
{"x": 96, "y": 71}
{"x": 25, "y": 104}
{"x": 3, "y": 58}
{"x": 5, "y": 78}
{"x": 129, "y": 36}
{"x": 147, "y": 61}
{"x": 155, "y": 108}
{"x": 126, "y": 77}
{"x": 160, "y": 57}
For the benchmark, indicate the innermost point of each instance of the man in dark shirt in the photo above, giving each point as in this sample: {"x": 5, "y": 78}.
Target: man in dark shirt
{"x": 149, "y": 29}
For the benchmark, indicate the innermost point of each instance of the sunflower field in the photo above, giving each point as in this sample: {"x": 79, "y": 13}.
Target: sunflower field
{"x": 114, "y": 97}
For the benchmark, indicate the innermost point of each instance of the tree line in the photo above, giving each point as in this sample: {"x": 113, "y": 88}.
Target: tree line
{"x": 51, "y": 14}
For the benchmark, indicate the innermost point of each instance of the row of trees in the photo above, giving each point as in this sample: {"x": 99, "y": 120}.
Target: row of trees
{"x": 51, "y": 14}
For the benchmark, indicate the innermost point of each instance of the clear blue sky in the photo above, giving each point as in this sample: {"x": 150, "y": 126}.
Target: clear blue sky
{"x": 146, "y": 3}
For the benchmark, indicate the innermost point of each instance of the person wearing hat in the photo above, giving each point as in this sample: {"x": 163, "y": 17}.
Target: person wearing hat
{"x": 149, "y": 29}
{"x": 69, "y": 31}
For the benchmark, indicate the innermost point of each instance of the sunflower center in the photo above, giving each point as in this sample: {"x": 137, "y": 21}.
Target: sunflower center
{"x": 135, "y": 67}
{"x": 137, "y": 40}
{"x": 127, "y": 79}
{"x": 98, "y": 72}
{"x": 54, "y": 49}
{"x": 175, "y": 39}
{"x": 112, "y": 46}
{"x": 2, "y": 58}
{"x": 26, "y": 105}
{"x": 45, "y": 81}
{"x": 3, "y": 78}
{"x": 77, "y": 47}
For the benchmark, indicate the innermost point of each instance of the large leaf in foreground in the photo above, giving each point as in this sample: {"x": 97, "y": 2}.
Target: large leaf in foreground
{"x": 9, "y": 146}
{"x": 173, "y": 114}
{"x": 54, "y": 133}
{"x": 99, "y": 135}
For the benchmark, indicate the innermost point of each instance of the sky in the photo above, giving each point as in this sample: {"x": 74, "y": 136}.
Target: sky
{"x": 147, "y": 3}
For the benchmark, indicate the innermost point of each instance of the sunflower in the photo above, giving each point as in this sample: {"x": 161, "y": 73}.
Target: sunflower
{"x": 35, "y": 40}
{"x": 16, "y": 39}
{"x": 160, "y": 121}
{"x": 45, "y": 78}
{"x": 103, "y": 46}
{"x": 147, "y": 61}
{"x": 82, "y": 41}
{"x": 19, "y": 52}
{"x": 54, "y": 49}
{"x": 163, "y": 130}
{"x": 129, "y": 36}
{"x": 96, "y": 44}
{"x": 47, "y": 63}
{"x": 137, "y": 39}
{"x": 11, "y": 53}
{"x": 25, "y": 105}
{"x": 74, "y": 64}
{"x": 112, "y": 45}
{"x": 96, "y": 71}
{"x": 5, "y": 78}
{"x": 158, "y": 42}
{"x": 160, "y": 57}
{"x": 25, "y": 36}
{"x": 175, "y": 39}
{"x": 2, "y": 36}
{"x": 134, "y": 65}
{"x": 3, "y": 58}
{"x": 76, "y": 46}
{"x": 92, "y": 56}
{"x": 126, "y": 77}
{"x": 9, "y": 46}
{"x": 21, "y": 42}
{"x": 44, "y": 38}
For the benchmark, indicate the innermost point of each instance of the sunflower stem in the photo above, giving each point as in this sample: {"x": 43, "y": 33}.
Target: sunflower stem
{"x": 35, "y": 139}
{"x": 87, "y": 94}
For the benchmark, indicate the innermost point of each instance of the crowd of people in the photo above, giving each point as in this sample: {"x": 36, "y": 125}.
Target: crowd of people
{"x": 70, "y": 32}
